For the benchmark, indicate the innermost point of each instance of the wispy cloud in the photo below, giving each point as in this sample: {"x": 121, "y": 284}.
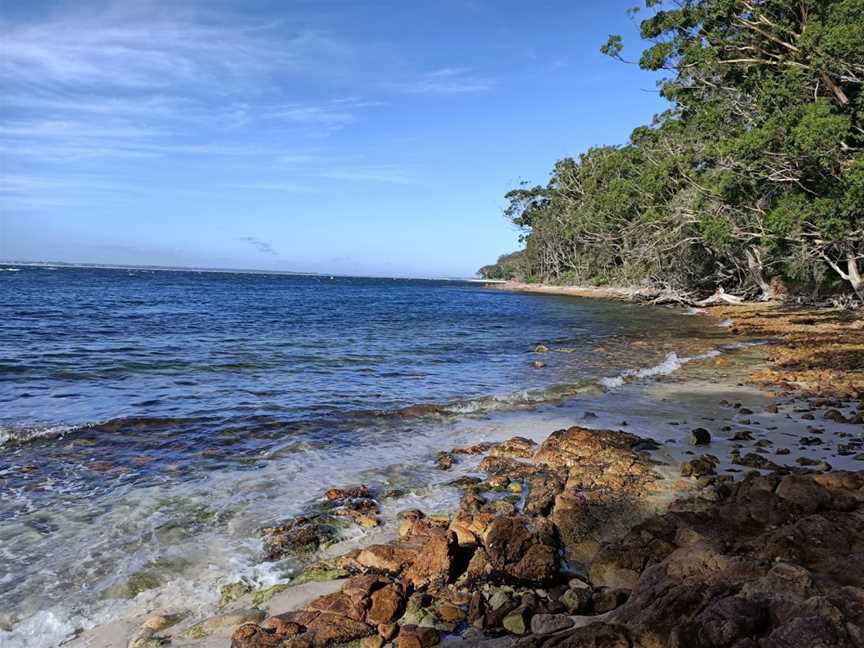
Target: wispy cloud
{"x": 262, "y": 246}
{"x": 369, "y": 173}
{"x": 446, "y": 81}
{"x": 273, "y": 186}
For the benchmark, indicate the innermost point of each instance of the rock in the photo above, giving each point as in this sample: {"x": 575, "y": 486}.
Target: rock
{"x": 834, "y": 415}
{"x": 594, "y": 635}
{"x": 477, "y": 448}
{"x": 386, "y": 605}
{"x": 516, "y": 447}
{"x": 388, "y": 558}
{"x": 517, "y": 549}
{"x": 412, "y": 636}
{"x": 432, "y": 566}
{"x": 300, "y": 534}
{"x": 335, "y": 494}
{"x": 451, "y": 613}
{"x": 742, "y": 435}
{"x": 608, "y": 599}
{"x": 388, "y": 630}
{"x": 698, "y": 467}
{"x": 251, "y": 635}
{"x": 538, "y": 364}
{"x": 146, "y": 638}
{"x": 327, "y": 628}
{"x": 541, "y": 348}
{"x": 518, "y": 622}
{"x": 577, "y": 599}
{"x": 353, "y": 607}
{"x": 159, "y": 622}
{"x": 444, "y": 461}
{"x": 372, "y": 641}
{"x": 543, "y": 624}
{"x": 699, "y": 436}
{"x": 753, "y": 460}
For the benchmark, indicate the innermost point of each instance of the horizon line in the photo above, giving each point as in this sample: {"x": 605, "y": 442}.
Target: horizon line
{"x": 180, "y": 268}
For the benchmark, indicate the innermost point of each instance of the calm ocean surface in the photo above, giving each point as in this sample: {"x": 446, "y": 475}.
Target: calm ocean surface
{"x": 151, "y": 414}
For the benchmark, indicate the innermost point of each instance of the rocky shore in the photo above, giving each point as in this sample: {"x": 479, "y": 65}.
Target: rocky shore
{"x": 562, "y": 544}
{"x": 594, "y": 538}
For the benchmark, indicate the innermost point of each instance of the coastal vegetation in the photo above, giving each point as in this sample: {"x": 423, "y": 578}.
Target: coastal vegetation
{"x": 752, "y": 181}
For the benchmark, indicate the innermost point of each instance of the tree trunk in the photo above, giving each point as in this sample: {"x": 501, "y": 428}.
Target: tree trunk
{"x": 852, "y": 274}
{"x": 754, "y": 263}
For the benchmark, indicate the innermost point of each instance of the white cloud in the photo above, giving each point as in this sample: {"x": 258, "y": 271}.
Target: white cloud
{"x": 446, "y": 81}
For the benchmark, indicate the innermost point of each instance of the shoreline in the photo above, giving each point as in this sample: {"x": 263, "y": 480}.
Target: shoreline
{"x": 707, "y": 482}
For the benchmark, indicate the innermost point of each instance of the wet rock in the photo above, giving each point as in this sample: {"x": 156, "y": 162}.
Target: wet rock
{"x": 335, "y": 494}
{"x": 517, "y": 447}
{"x": 477, "y": 448}
{"x": 542, "y": 624}
{"x": 520, "y": 549}
{"x": 538, "y": 364}
{"x": 300, "y": 534}
{"x": 541, "y": 348}
{"x": 699, "y": 436}
{"x": 698, "y": 467}
{"x": 543, "y": 488}
{"x": 834, "y": 415}
{"x": 444, "y": 461}
{"x": 742, "y": 435}
{"x": 753, "y": 460}
{"x": 251, "y": 635}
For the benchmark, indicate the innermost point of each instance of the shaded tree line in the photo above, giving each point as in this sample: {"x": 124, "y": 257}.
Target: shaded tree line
{"x": 754, "y": 174}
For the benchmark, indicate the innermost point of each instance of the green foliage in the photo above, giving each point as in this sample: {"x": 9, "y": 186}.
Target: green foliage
{"x": 759, "y": 157}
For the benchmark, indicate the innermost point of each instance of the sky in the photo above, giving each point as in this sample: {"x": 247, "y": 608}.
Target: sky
{"x": 368, "y": 137}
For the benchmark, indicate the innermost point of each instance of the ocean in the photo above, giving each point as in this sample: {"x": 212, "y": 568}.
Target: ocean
{"x": 151, "y": 421}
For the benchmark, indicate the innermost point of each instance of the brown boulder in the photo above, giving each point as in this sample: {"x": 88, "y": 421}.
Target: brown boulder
{"x": 513, "y": 448}
{"x": 340, "y": 603}
{"x": 412, "y": 636}
{"x": 328, "y": 628}
{"x": 522, "y": 549}
{"x": 386, "y": 605}
{"x": 432, "y": 566}
{"x": 251, "y": 635}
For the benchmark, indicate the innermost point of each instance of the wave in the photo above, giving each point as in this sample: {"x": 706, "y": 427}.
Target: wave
{"x": 521, "y": 399}
{"x": 669, "y": 365}
{"x": 12, "y": 436}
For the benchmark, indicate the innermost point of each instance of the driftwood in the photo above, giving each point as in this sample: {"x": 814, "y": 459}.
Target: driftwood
{"x": 720, "y": 297}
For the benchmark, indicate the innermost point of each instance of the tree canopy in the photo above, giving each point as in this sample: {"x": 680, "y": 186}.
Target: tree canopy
{"x": 754, "y": 172}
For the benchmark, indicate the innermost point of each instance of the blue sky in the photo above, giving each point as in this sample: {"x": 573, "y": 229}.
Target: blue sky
{"x": 337, "y": 136}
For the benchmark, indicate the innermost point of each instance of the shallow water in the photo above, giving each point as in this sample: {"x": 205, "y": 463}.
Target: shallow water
{"x": 151, "y": 421}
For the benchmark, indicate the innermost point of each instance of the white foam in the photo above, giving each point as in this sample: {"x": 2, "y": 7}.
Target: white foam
{"x": 22, "y": 435}
{"x": 670, "y": 364}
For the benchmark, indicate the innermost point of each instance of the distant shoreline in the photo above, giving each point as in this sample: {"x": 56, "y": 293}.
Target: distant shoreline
{"x": 291, "y": 273}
